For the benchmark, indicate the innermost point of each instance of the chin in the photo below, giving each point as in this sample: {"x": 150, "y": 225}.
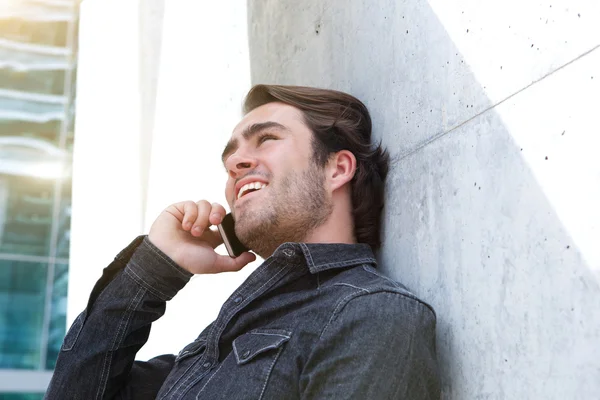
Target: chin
{"x": 245, "y": 223}
{"x": 256, "y": 228}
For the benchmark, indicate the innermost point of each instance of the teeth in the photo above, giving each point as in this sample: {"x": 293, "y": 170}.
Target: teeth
{"x": 251, "y": 185}
{"x": 242, "y": 190}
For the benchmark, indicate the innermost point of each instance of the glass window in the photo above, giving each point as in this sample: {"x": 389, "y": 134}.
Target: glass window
{"x": 40, "y": 9}
{"x": 22, "y": 300}
{"x": 63, "y": 223}
{"x": 50, "y": 33}
{"x": 26, "y": 206}
{"x": 24, "y": 57}
{"x": 58, "y": 314}
{"x": 35, "y": 163}
{"x": 47, "y": 131}
{"x": 20, "y": 106}
{"x": 21, "y": 396}
{"x": 36, "y": 81}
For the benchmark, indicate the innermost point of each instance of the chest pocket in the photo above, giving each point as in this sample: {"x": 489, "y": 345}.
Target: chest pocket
{"x": 249, "y": 368}
{"x": 252, "y": 344}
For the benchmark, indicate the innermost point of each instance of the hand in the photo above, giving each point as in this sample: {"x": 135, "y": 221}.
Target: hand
{"x": 182, "y": 231}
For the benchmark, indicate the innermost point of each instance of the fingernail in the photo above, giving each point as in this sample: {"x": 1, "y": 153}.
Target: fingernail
{"x": 216, "y": 216}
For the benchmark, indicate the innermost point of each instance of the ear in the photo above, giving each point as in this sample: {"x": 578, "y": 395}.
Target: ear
{"x": 340, "y": 169}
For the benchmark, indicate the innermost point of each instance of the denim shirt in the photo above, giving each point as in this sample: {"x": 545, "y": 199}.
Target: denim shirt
{"x": 314, "y": 321}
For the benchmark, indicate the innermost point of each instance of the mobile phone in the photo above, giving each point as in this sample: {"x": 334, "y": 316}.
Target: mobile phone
{"x": 232, "y": 243}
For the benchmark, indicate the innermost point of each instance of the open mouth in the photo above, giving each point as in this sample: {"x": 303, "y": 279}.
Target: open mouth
{"x": 250, "y": 188}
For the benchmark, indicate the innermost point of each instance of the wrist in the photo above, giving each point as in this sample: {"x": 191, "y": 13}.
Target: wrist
{"x": 155, "y": 270}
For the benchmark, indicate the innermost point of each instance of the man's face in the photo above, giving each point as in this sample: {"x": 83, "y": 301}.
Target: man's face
{"x": 275, "y": 191}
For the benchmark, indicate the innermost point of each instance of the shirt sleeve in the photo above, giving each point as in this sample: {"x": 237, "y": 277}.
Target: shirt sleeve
{"x": 96, "y": 360}
{"x": 377, "y": 346}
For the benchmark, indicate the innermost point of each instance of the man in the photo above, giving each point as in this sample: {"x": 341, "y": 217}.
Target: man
{"x": 315, "y": 321}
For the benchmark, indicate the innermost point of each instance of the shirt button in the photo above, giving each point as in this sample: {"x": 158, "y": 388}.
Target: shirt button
{"x": 288, "y": 252}
{"x": 206, "y": 365}
{"x": 238, "y": 300}
{"x": 246, "y": 354}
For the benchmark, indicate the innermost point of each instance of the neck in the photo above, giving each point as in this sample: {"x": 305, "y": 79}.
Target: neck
{"x": 339, "y": 227}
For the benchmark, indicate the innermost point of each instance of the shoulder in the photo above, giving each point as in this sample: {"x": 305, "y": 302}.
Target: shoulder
{"x": 369, "y": 297}
{"x": 365, "y": 285}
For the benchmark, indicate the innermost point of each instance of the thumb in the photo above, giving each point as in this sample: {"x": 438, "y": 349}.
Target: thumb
{"x": 212, "y": 237}
{"x": 229, "y": 264}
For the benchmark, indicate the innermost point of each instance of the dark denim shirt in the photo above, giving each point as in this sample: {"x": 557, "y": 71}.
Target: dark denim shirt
{"x": 314, "y": 321}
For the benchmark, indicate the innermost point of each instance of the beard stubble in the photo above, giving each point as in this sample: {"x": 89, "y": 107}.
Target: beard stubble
{"x": 297, "y": 205}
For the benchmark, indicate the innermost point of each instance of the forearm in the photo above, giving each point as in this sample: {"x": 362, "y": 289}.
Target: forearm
{"x": 98, "y": 352}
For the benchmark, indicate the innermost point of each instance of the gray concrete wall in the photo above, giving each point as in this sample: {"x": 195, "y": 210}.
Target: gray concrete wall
{"x": 490, "y": 112}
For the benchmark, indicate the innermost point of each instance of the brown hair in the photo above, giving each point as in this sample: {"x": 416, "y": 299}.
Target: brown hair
{"x": 339, "y": 121}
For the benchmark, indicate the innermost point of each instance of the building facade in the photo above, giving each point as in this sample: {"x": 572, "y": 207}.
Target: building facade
{"x": 38, "y": 54}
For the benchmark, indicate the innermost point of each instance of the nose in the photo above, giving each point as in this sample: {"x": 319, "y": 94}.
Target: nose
{"x": 239, "y": 163}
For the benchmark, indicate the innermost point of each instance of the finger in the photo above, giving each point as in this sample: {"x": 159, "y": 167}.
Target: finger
{"x": 217, "y": 214}
{"x": 229, "y": 264}
{"x": 212, "y": 237}
{"x": 201, "y": 222}
{"x": 190, "y": 213}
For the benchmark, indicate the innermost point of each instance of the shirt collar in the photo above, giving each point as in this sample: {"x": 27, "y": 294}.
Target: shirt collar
{"x": 320, "y": 257}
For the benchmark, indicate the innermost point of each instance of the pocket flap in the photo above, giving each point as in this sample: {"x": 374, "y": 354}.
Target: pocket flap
{"x": 251, "y": 344}
{"x": 192, "y": 349}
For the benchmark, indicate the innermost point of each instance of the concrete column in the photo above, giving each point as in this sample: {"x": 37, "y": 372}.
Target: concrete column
{"x": 107, "y": 195}
{"x": 489, "y": 110}
{"x": 203, "y": 75}
{"x": 159, "y": 94}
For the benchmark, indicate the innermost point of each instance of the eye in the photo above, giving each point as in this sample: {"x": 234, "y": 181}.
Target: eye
{"x": 264, "y": 137}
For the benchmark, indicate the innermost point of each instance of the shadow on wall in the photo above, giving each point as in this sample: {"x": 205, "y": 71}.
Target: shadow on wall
{"x": 467, "y": 226}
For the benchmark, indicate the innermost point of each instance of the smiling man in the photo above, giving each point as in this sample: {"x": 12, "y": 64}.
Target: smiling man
{"x": 315, "y": 321}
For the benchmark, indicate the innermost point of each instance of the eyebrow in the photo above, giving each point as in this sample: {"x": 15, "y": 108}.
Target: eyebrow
{"x": 248, "y": 133}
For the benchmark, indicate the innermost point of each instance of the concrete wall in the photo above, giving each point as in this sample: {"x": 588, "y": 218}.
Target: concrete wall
{"x": 490, "y": 110}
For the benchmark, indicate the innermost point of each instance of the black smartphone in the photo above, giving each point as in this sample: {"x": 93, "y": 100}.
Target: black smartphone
{"x": 232, "y": 243}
